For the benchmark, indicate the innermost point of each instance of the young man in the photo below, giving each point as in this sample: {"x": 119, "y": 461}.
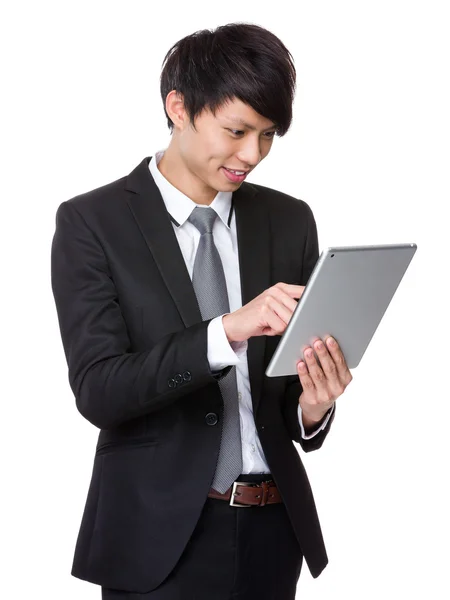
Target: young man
{"x": 172, "y": 285}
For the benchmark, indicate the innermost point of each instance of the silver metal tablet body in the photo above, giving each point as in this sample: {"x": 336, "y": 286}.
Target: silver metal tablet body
{"x": 346, "y": 296}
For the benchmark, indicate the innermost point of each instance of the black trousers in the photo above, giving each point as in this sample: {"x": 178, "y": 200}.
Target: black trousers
{"x": 233, "y": 554}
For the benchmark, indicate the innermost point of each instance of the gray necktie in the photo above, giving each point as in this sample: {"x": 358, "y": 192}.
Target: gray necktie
{"x": 211, "y": 290}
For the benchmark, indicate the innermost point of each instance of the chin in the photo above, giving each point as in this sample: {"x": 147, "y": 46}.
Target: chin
{"x": 223, "y": 186}
{"x": 226, "y": 186}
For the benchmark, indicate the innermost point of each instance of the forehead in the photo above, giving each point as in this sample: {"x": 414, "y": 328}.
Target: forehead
{"x": 235, "y": 112}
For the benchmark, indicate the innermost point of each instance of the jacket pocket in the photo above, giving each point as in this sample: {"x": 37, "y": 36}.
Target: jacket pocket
{"x": 114, "y": 446}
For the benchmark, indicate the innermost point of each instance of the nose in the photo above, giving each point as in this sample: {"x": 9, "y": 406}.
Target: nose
{"x": 250, "y": 151}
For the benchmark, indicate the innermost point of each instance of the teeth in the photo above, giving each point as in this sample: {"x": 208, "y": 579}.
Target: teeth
{"x": 236, "y": 172}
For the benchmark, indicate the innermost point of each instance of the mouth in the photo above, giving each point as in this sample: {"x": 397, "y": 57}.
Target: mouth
{"x": 235, "y": 176}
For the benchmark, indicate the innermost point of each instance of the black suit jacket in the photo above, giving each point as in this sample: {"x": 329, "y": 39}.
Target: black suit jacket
{"x": 136, "y": 349}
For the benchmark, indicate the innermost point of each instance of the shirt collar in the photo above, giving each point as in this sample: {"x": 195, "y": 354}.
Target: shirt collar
{"x": 178, "y": 205}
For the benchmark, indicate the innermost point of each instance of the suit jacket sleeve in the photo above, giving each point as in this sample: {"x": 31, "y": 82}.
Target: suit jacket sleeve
{"x": 294, "y": 387}
{"x": 111, "y": 384}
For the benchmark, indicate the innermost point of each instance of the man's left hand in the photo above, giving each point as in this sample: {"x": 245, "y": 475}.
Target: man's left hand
{"x": 322, "y": 382}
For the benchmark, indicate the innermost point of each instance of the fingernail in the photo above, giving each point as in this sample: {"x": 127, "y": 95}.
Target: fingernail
{"x": 331, "y": 341}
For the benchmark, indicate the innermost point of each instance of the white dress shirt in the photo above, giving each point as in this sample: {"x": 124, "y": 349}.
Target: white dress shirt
{"x": 221, "y": 353}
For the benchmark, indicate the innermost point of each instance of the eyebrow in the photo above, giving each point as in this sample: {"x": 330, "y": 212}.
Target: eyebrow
{"x": 239, "y": 121}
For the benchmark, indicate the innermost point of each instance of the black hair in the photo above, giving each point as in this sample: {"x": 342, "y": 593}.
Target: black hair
{"x": 238, "y": 60}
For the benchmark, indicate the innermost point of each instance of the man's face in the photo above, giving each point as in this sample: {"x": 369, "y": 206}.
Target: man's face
{"x": 236, "y": 138}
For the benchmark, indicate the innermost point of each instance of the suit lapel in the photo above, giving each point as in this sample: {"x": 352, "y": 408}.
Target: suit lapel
{"x": 152, "y": 218}
{"x": 252, "y": 223}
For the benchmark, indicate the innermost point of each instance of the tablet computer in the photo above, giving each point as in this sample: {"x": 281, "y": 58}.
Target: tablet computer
{"x": 346, "y": 297}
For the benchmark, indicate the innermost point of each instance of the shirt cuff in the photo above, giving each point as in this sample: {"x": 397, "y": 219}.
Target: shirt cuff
{"x": 222, "y": 353}
{"x": 319, "y": 429}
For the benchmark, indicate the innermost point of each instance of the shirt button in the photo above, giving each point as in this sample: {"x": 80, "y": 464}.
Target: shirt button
{"x": 240, "y": 396}
{"x": 253, "y": 447}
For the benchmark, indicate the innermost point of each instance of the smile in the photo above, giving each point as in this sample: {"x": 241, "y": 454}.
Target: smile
{"x": 234, "y": 176}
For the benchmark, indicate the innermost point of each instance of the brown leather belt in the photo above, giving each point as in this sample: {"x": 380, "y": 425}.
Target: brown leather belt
{"x": 244, "y": 494}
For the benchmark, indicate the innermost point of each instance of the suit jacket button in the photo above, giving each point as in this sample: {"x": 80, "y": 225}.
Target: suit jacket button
{"x": 187, "y": 376}
{"x": 211, "y": 419}
{"x": 178, "y": 378}
{"x": 172, "y": 383}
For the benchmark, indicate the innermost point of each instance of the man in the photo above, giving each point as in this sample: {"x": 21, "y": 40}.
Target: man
{"x": 172, "y": 286}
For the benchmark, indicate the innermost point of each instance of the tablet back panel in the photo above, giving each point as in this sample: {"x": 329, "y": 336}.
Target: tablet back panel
{"x": 346, "y": 296}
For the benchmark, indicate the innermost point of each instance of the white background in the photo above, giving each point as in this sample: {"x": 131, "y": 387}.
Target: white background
{"x": 369, "y": 150}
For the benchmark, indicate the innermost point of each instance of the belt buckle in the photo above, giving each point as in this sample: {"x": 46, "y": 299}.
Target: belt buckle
{"x": 233, "y": 491}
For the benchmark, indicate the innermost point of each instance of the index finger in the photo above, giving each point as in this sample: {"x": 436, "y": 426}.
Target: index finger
{"x": 294, "y": 291}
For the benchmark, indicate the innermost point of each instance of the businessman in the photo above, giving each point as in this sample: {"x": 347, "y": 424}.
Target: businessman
{"x": 172, "y": 286}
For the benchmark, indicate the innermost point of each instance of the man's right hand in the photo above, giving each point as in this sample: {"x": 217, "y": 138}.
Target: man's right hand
{"x": 267, "y": 314}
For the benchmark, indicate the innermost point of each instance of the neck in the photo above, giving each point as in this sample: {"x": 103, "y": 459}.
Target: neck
{"x": 172, "y": 167}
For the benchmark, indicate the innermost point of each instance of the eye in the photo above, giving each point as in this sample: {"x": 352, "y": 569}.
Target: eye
{"x": 236, "y": 132}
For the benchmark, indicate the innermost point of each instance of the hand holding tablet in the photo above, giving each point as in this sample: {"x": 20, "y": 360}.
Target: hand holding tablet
{"x": 346, "y": 297}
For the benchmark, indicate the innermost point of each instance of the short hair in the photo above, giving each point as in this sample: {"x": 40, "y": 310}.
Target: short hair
{"x": 238, "y": 60}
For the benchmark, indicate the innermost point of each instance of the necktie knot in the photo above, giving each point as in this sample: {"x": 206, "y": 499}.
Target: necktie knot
{"x": 203, "y": 219}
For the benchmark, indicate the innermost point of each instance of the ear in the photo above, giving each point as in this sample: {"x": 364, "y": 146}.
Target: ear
{"x": 175, "y": 109}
